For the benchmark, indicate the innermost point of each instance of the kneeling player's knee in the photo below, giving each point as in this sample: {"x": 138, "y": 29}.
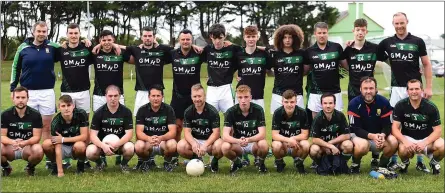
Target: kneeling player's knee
{"x": 262, "y": 145}
{"x": 37, "y": 150}
{"x": 171, "y": 145}
{"x": 305, "y": 145}
{"x": 276, "y": 146}
{"x": 92, "y": 152}
{"x": 314, "y": 150}
{"x": 139, "y": 146}
{"x": 47, "y": 145}
{"x": 128, "y": 148}
{"x": 79, "y": 146}
{"x": 347, "y": 146}
{"x": 226, "y": 147}
{"x": 439, "y": 144}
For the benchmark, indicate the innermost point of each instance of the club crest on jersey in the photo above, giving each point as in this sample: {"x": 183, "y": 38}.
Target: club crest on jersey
{"x": 379, "y": 111}
{"x": 47, "y": 50}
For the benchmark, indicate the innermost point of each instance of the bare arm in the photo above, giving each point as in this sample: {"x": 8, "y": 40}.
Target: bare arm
{"x": 126, "y": 138}
{"x": 437, "y": 131}
{"x": 260, "y": 136}
{"x": 5, "y": 139}
{"x": 277, "y": 137}
{"x": 227, "y": 137}
{"x": 321, "y": 143}
{"x": 140, "y": 135}
{"x": 82, "y": 137}
{"x": 94, "y": 139}
{"x": 339, "y": 139}
{"x": 304, "y": 135}
{"x": 35, "y": 139}
{"x": 213, "y": 137}
{"x": 188, "y": 136}
{"x": 171, "y": 134}
{"x": 395, "y": 130}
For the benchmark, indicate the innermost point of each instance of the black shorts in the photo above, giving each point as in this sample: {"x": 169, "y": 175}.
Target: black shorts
{"x": 180, "y": 103}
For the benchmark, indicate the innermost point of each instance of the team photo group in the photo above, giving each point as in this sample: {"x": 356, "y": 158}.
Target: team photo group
{"x": 41, "y": 126}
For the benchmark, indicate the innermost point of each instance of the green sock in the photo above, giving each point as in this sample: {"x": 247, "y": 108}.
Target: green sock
{"x": 246, "y": 156}
{"x": 356, "y": 160}
{"x": 346, "y": 156}
{"x": 67, "y": 160}
{"x": 124, "y": 162}
{"x": 99, "y": 161}
{"x": 237, "y": 160}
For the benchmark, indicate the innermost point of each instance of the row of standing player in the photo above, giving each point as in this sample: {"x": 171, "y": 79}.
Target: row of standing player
{"x": 149, "y": 60}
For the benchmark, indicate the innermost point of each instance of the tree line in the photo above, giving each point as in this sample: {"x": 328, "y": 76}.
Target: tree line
{"x": 125, "y": 17}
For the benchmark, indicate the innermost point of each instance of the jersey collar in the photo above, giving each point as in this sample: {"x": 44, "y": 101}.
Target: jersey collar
{"x": 328, "y": 43}
{"x": 14, "y": 111}
{"x": 407, "y": 36}
{"x": 241, "y": 112}
{"x": 160, "y": 108}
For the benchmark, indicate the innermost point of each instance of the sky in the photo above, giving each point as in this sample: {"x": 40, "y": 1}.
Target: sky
{"x": 425, "y": 18}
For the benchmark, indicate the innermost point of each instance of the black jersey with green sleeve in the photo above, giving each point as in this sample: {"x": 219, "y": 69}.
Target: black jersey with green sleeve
{"x": 201, "y": 124}
{"x": 329, "y": 129}
{"x": 403, "y": 56}
{"x": 324, "y": 67}
{"x": 252, "y": 70}
{"x": 72, "y": 129}
{"x": 109, "y": 70}
{"x": 290, "y": 126}
{"x": 186, "y": 70}
{"x": 74, "y": 63}
{"x": 244, "y": 126}
{"x": 361, "y": 63}
{"x": 417, "y": 123}
{"x": 21, "y": 127}
{"x": 288, "y": 69}
{"x": 155, "y": 123}
{"x": 149, "y": 65}
{"x": 221, "y": 64}
{"x": 116, "y": 123}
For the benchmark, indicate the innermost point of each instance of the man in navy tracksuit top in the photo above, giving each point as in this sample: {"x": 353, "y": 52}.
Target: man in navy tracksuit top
{"x": 33, "y": 67}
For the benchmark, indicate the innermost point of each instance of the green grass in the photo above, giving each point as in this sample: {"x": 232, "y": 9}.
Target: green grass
{"x": 246, "y": 180}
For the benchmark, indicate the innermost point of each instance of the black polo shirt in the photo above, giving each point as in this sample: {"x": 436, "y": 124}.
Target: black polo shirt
{"x": 324, "y": 67}
{"x": 149, "y": 65}
{"x": 417, "y": 123}
{"x": 155, "y": 123}
{"x": 244, "y": 126}
{"x": 403, "y": 57}
{"x": 288, "y": 70}
{"x": 361, "y": 63}
{"x": 21, "y": 128}
{"x": 374, "y": 117}
{"x": 221, "y": 64}
{"x": 108, "y": 123}
{"x": 252, "y": 70}
{"x": 290, "y": 126}
{"x": 327, "y": 130}
{"x": 74, "y": 63}
{"x": 202, "y": 125}
{"x": 109, "y": 70}
{"x": 186, "y": 70}
{"x": 72, "y": 129}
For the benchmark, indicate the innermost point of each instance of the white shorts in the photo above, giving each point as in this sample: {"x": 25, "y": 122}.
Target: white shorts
{"x": 220, "y": 97}
{"x": 81, "y": 99}
{"x": 424, "y": 152}
{"x": 18, "y": 154}
{"x": 200, "y": 141}
{"x": 99, "y": 101}
{"x": 248, "y": 149}
{"x": 276, "y": 102}
{"x": 256, "y": 101}
{"x": 397, "y": 94}
{"x": 43, "y": 100}
{"x": 157, "y": 150}
{"x": 314, "y": 103}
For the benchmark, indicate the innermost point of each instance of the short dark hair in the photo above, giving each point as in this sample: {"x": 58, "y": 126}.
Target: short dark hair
{"x": 113, "y": 87}
{"x": 321, "y": 25}
{"x": 360, "y": 23}
{"x": 66, "y": 99}
{"x": 106, "y": 33}
{"x": 217, "y": 30}
{"x": 20, "y": 89}
{"x": 368, "y": 79}
{"x": 414, "y": 81}
{"x": 399, "y": 14}
{"x": 156, "y": 87}
{"x": 73, "y": 26}
{"x": 288, "y": 94}
{"x": 185, "y": 31}
{"x": 327, "y": 95}
{"x": 147, "y": 28}
{"x": 197, "y": 86}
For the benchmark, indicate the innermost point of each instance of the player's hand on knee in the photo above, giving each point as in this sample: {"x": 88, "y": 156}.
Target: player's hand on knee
{"x": 335, "y": 150}
{"x": 202, "y": 150}
{"x": 420, "y": 147}
{"x": 108, "y": 150}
